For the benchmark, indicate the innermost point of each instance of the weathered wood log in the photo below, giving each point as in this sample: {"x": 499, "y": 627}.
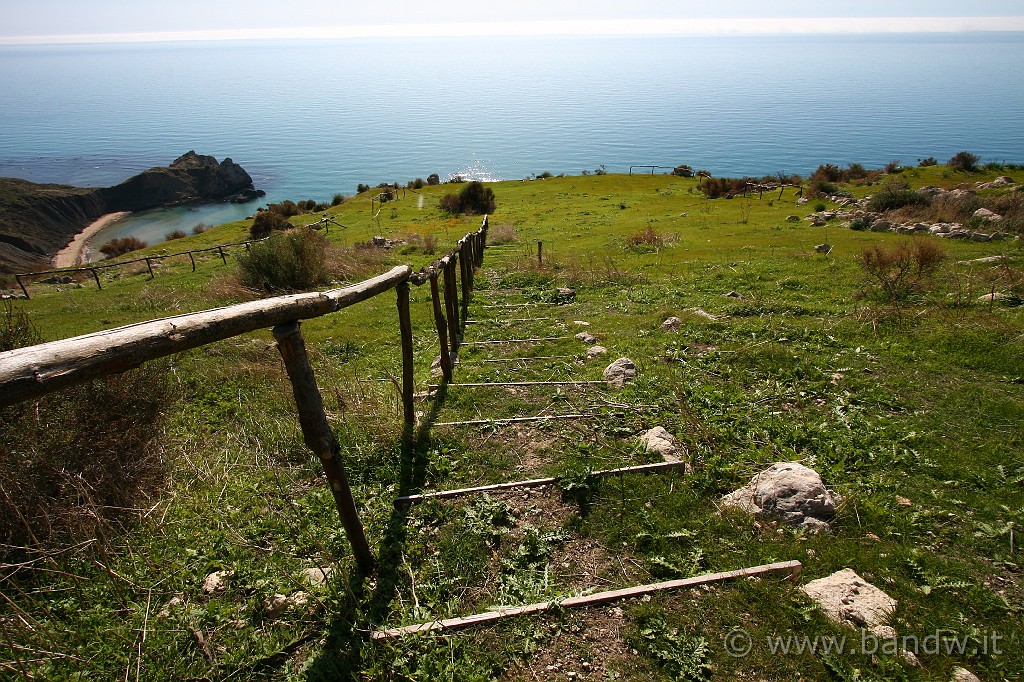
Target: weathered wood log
{"x": 193, "y": 259}
{"x": 516, "y": 420}
{"x": 789, "y": 569}
{"x": 44, "y": 368}
{"x": 442, "y": 329}
{"x": 509, "y": 384}
{"x": 535, "y": 482}
{"x": 405, "y": 326}
{"x": 451, "y": 302}
{"x": 317, "y": 434}
{"x": 542, "y": 338}
{"x": 22, "y": 285}
{"x": 531, "y": 359}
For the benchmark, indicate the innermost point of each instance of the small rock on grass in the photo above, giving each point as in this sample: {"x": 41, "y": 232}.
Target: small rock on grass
{"x": 620, "y": 372}
{"x": 848, "y": 599}
{"x": 586, "y": 338}
{"x": 317, "y": 575}
{"x": 664, "y": 443}
{"x": 595, "y": 351}
{"x": 788, "y": 491}
{"x": 963, "y": 675}
{"x": 672, "y": 324}
{"x": 215, "y": 581}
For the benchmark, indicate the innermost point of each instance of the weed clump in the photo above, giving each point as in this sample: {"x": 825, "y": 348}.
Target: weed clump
{"x": 288, "y": 261}
{"x": 175, "y": 234}
{"x": 901, "y": 270}
{"x": 895, "y": 195}
{"x": 474, "y": 198}
{"x": 121, "y": 246}
{"x": 965, "y": 162}
{"x": 647, "y": 240}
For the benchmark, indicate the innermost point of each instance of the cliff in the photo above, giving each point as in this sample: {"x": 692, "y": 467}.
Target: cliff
{"x": 37, "y": 220}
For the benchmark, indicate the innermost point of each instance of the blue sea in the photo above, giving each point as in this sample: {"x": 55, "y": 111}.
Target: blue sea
{"x": 310, "y": 119}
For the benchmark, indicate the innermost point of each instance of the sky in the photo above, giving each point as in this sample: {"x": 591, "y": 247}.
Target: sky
{"x": 50, "y": 21}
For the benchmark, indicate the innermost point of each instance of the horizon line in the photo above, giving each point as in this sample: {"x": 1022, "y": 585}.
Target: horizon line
{"x": 747, "y": 26}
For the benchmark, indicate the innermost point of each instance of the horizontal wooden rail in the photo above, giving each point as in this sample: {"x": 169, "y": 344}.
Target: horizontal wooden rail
{"x": 516, "y": 420}
{"x": 788, "y": 569}
{"x": 36, "y": 370}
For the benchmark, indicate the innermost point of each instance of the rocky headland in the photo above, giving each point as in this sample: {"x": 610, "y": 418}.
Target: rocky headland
{"x": 37, "y": 220}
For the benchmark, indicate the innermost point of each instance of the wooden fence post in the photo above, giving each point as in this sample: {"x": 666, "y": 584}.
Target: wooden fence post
{"x": 96, "y": 276}
{"x": 405, "y": 325}
{"x": 464, "y": 267}
{"x": 149, "y": 266}
{"x": 540, "y": 253}
{"x": 193, "y": 259}
{"x": 442, "y": 327}
{"x": 317, "y": 434}
{"x": 451, "y": 302}
{"x": 22, "y": 285}
{"x": 220, "y": 250}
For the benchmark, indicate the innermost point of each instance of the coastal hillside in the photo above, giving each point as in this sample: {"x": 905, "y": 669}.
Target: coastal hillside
{"x": 37, "y": 220}
{"x": 683, "y": 377}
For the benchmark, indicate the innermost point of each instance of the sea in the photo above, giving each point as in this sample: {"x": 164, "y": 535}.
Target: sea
{"x": 309, "y": 119}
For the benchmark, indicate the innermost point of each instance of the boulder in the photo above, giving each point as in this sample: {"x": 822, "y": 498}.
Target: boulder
{"x": 793, "y": 218}
{"x": 789, "y": 492}
{"x": 848, "y": 599}
{"x": 587, "y": 338}
{"x": 823, "y": 248}
{"x": 999, "y": 297}
{"x": 595, "y": 351}
{"x": 733, "y": 294}
{"x": 1003, "y": 180}
{"x": 987, "y": 215}
{"x": 963, "y": 675}
{"x": 275, "y": 605}
{"x": 663, "y": 443}
{"x": 215, "y": 582}
{"x": 672, "y": 324}
{"x": 620, "y": 372}
{"x": 881, "y": 226}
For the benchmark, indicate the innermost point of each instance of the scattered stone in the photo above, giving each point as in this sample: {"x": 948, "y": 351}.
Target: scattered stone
{"x": 1003, "y": 180}
{"x": 384, "y": 243}
{"x": 788, "y": 491}
{"x": 662, "y": 442}
{"x": 275, "y": 605}
{"x": 620, "y": 372}
{"x": 581, "y": 323}
{"x": 848, "y": 599}
{"x": 586, "y": 338}
{"x": 215, "y": 581}
{"x": 793, "y": 218}
{"x": 672, "y": 324}
{"x": 903, "y": 501}
{"x": 175, "y": 602}
{"x": 700, "y": 312}
{"x": 987, "y": 215}
{"x": 999, "y": 297}
{"x": 595, "y": 351}
{"x": 733, "y": 294}
{"x": 823, "y": 248}
{"x": 881, "y": 226}
{"x": 565, "y": 293}
{"x": 316, "y": 576}
{"x": 802, "y": 200}
{"x": 963, "y": 675}
{"x": 298, "y": 599}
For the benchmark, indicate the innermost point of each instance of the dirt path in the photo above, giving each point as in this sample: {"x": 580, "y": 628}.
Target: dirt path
{"x": 74, "y": 253}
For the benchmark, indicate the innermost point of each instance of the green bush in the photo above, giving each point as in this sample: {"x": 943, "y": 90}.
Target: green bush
{"x": 266, "y": 222}
{"x": 894, "y": 195}
{"x": 930, "y": 161}
{"x": 964, "y": 161}
{"x": 287, "y": 261}
{"x": 474, "y": 198}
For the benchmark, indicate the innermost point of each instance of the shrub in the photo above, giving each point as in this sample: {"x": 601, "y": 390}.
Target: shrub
{"x": 76, "y": 461}
{"x": 901, "y": 270}
{"x": 337, "y": 199}
{"x": 819, "y": 207}
{"x": 360, "y": 188}
{"x": 416, "y": 184}
{"x": 433, "y": 179}
{"x": 827, "y": 172}
{"x": 266, "y": 222}
{"x": 287, "y": 261}
{"x": 121, "y": 246}
{"x": 175, "y": 234}
{"x": 647, "y": 240}
{"x": 199, "y": 228}
{"x": 714, "y": 188}
{"x": 545, "y": 175}
{"x": 893, "y": 167}
{"x": 930, "y": 161}
{"x": 501, "y": 234}
{"x": 474, "y": 198}
{"x": 856, "y": 171}
{"x": 964, "y": 161}
{"x": 683, "y": 171}
{"x": 897, "y": 194}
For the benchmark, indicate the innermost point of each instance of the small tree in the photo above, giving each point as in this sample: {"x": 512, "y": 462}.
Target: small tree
{"x": 964, "y": 161}
{"x": 433, "y": 179}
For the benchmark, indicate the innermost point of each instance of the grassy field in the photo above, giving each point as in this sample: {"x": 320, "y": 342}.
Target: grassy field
{"x": 911, "y": 411}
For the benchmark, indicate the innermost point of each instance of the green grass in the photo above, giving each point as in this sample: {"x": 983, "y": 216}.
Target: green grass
{"x": 921, "y": 401}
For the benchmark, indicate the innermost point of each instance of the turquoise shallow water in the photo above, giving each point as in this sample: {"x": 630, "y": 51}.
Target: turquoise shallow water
{"x": 311, "y": 119}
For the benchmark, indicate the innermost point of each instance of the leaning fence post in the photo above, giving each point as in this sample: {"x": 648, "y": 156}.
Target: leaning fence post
{"x": 451, "y": 296}
{"x": 442, "y": 327}
{"x": 317, "y": 434}
{"x": 149, "y": 266}
{"x": 96, "y": 276}
{"x": 220, "y": 250}
{"x": 405, "y": 325}
{"x": 193, "y": 259}
{"x": 22, "y": 285}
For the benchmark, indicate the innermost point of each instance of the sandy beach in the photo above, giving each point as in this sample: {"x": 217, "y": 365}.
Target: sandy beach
{"x": 74, "y": 253}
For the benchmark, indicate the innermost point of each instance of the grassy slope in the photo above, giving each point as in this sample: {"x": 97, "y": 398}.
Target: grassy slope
{"x": 921, "y": 403}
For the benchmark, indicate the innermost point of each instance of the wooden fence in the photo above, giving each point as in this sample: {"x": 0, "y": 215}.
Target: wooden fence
{"x": 33, "y": 371}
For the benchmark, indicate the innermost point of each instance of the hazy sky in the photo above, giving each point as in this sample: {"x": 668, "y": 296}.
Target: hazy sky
{"x": 49, "y": 20}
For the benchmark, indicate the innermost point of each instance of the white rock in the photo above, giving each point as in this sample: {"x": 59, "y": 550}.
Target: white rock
{"x": 316, "y": 576}
{"x": 963, "y": 675}
{"x": 846, "y": 598}
{"x": 275, "y": 605}
{"x": 620, "y": 372}
{"x": 587, "y": 338}
{"x": 215, "y": 581}
{"x": 788, "y": 491}
{"x": 985, "y": 214}
{"x": 672, "y": 323}
{"x": 581, "y": 323}
{"x": 1003, "y": 180}
{"x": 700, "y": 312}
{"x": 662, "y": 442}
{"x": 595, "y": 351}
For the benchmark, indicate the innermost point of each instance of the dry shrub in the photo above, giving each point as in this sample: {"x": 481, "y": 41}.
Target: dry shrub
{"x": 121, "y": 246}
{"x": 175, "y": 234}
{"x": 647, "y": 240}
{"x": 359, "y": 262}
{"x": 901, "y": 270}
{"x": 501, "y": 234}
{"x": 82, "y": 460}
{"x": 1011, "y": 207}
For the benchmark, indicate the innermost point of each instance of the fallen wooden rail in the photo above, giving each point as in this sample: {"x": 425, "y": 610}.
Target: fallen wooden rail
{"x": 657, "y": 467}
{"x": 516, "y": 420}
{"x": 789, "y": 569}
